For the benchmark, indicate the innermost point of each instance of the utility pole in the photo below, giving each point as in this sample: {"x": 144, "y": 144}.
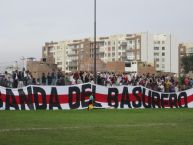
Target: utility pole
{"x": 147, "y": 49}
{"x": 23, "y": 62}
{"x": 170, "y": 53}
{"x": 16, "y": 65}
{"x": 95, "y": 74}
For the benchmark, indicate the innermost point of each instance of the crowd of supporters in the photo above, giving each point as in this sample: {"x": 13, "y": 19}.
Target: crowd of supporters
{"x": 161, "y": 83}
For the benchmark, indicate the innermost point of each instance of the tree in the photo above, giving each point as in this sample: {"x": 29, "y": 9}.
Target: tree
{"x": 187, "y": 62}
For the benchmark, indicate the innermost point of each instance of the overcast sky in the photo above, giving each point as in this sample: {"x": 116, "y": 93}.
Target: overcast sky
{"x": 25, "y": 25}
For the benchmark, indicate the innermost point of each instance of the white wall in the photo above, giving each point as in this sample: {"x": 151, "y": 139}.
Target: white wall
{"x": 133, "y": 67}
{"x": 147, "y": 48}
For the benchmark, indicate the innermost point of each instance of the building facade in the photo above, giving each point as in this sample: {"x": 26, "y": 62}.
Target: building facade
{"x": 37, "y": 68}
{"x": 118, "y": 48}
{"x": 159, "y": 50}
{"x": 165, "y": 53}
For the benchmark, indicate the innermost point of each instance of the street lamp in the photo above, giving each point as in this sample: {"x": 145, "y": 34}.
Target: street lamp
{"x": 23, "y": 62}
{"x": 95, "y": 74}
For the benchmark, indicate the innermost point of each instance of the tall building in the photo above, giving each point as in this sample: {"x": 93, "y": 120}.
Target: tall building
{"x": 165, "y": 53}
{"x": 67, "y": 54}
{"x": 160, "y": 50}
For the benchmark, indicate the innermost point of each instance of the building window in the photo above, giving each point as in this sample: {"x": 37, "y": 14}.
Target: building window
{"x": 130, "y": 48}
{"x": 138, "y": 46}
{"x": 156, "y": 48}
{"x": 113, "y": 48}
{"x": 157, "y": 65}
{"x": 181, "y": 49}
{"x": 163, "y": 66}
{"x": 157, "y": 59}
{"x": 163, "y": 48}
{"x": 109, "y": 43}
{"x": 163, "y": 59}
{"x": 156, "y": 54}
{"x": 113, "y": 59}
{"x": 124, "y": 47}
{"x": 59, "y": 63}
{"x": 109, "y": 55}
{"x": 163, "y": 53}
{"x": 113, "y": 54}
{"x": 191, "y": 50}
{"x": 128, "y": 65}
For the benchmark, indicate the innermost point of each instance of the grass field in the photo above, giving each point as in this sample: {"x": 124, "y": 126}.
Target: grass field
{"x": 97, "y": 127}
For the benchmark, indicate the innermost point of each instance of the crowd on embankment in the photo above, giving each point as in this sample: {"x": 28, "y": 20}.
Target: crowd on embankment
{"x": 160, "y": 83}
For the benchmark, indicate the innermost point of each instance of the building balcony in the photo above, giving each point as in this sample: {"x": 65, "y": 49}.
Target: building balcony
{"x": 73, "y": 54}
{"x": 130, "y": 57}
{"x": 73, "y": 65}
{"x": 102, "y": 49}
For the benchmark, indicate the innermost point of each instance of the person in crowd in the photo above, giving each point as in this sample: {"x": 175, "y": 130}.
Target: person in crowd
{"x": 61, "y": 81}
{"x": 54, "y": 77}
{"x": 29, "y": 78}
{"x": 25, "y": 74}
{"x": 191, "y": 82}
{"x": 43, "y": 79}
{"x": 15, "y": 79}
{"x": 79, "y": 81}
{"x": 167, "y": 85}
{"x": 34, "y": 81}
{"x": 20, "y": 79}
{"x": 49, "y": 79}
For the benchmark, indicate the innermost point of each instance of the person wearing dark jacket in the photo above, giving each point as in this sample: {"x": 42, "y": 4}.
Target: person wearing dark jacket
{"x": 49, "y": 78}
{"x": 43, "y": 79}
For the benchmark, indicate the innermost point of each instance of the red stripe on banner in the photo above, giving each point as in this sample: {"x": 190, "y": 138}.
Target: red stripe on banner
{"x": 103, "y": 99}
{"x": 63, "y": 99}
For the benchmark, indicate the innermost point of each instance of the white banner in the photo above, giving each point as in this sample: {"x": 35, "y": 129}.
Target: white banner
{"x": 77, "y": 97}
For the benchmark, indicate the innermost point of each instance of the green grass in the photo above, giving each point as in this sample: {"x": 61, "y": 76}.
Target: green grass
{"x": 97, "y": 127}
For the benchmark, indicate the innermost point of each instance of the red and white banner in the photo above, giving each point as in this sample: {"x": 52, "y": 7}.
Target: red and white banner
{"x": 77, "y": 97}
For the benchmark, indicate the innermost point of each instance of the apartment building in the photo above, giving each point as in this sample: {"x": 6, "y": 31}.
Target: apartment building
{"x": 77, "y": 52}
{"x": 159, "y": 50}
{"x": 57, "y": 50}
{"x": 67, "y": 54}
{"x": 165, "y": 53}
{"x": 118, "y": 48}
